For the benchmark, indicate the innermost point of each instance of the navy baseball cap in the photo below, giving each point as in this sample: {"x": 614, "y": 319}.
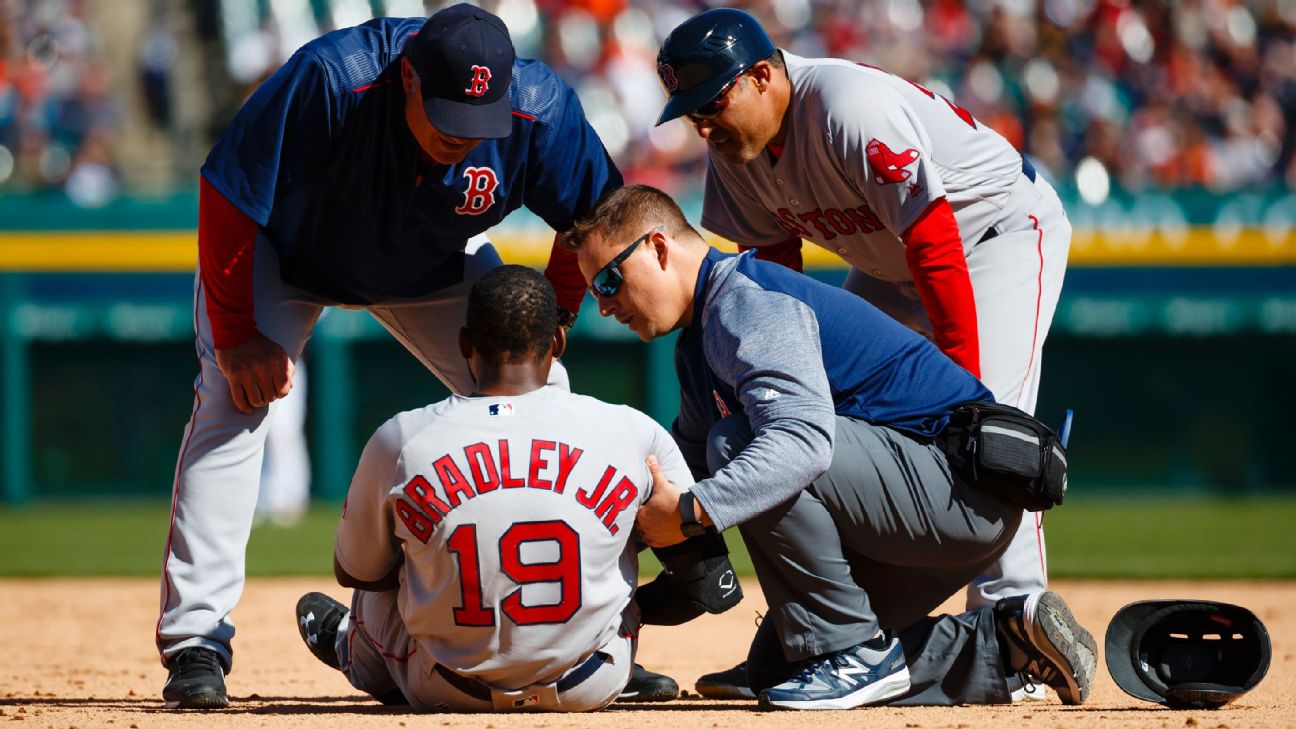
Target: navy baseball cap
{"x": 464, "y": 59}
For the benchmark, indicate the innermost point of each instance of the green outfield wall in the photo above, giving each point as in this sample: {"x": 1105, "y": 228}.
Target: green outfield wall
{"x": 1174, "y": 342}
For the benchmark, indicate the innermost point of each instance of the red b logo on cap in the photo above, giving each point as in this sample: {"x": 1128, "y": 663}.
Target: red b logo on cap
{"x": 668, "y": 77}
{"x": 481, "y": 75}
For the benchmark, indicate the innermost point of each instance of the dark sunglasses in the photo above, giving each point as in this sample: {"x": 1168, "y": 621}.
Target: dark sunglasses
{"x": 607, "y": 282}
{"x": 712, "y": 108}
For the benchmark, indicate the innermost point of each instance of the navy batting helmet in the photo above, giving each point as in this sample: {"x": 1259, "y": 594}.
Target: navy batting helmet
{"x": 1186, "y": 654}
{"x": 704, "y": 54}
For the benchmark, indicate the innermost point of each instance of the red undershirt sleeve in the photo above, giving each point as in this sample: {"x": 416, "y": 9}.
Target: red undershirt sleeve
{"x": 934, "y": 252}
{"x": 226, "y": 242}
{"x": 565, "y": 275}
{"x": 787, "y": 253}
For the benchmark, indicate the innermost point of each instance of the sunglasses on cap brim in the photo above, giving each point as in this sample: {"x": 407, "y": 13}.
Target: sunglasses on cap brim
{"x": 712, "y": 108}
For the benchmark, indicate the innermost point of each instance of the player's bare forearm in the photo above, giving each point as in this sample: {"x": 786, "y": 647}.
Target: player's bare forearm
{"x": 389, "y": 582}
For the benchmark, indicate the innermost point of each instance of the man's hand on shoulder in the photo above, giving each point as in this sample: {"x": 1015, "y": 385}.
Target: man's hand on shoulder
{"x": 658, "y": 521}
{"x": 259, "y": 371}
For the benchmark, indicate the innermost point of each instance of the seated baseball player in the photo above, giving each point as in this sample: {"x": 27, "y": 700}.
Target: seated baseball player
{"x": 488, "y": 536}
{"x": 827, "y": 433}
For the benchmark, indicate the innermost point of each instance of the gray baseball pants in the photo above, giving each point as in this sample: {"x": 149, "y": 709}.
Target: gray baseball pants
{"x": 378, "y": 655}
{"x": 878, "y": 541}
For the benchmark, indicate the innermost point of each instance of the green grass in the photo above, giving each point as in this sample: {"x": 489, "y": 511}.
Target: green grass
{"x": 1173, "y": 536}
{"x": 1093, "y": 536}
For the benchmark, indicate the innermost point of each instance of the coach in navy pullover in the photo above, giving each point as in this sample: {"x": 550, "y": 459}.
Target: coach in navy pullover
{"x": 321, "y": 159}
{"x": 361, "y": 173}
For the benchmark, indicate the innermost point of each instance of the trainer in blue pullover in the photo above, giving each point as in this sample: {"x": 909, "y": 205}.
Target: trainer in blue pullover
{"x": 812, "y": 422}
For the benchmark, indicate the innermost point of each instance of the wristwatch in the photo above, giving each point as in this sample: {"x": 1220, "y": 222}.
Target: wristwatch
{"x": 689, "y": 523}
{"x": 566, "y": 318}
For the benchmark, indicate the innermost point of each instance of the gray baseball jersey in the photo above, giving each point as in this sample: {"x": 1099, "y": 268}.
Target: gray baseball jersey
{"x": 515, "y": 517}
{"x": 866, "y": 153}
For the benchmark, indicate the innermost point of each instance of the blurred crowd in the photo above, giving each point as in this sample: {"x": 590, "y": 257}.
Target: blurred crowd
{"x": 1164, "y": 93}
{"x": 59, "y": 112}
{"x": 1138, "y": 93}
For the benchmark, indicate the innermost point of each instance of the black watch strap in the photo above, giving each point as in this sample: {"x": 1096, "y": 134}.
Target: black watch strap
{"x": 566, "y": 318}
{"x": 689, "y": 523}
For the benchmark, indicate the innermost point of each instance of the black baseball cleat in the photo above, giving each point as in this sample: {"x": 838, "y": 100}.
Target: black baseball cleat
{"x": 196, "y": 680}
{"x": 644, "y": 685}
{"x": 726, "y": 685}
{"x": 318, "y": 616}
{"x": 1039, "y": 636}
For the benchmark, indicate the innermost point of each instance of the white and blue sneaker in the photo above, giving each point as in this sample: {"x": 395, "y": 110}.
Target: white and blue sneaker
{"x": 844, "y": 679}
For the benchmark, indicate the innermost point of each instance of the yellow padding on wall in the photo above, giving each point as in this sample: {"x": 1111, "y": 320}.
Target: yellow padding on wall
{"x": 177, "y": 250}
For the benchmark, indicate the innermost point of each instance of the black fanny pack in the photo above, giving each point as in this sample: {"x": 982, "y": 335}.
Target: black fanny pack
{"x": 1008, "y": 452}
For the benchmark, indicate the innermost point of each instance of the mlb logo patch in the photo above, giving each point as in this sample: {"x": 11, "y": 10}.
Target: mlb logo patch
{"x": 501, "y": 408}
{"x": 525, "y": 701}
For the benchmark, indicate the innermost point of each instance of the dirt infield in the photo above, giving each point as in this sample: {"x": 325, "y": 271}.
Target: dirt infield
{"x": 79, "y": 653}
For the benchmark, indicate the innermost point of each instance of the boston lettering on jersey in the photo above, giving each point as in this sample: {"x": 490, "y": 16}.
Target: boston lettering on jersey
{"x": 480, "y": 470}
{"x": 831, "y": 222}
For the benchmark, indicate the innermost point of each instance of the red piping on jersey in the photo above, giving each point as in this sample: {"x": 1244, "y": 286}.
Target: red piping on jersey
{"x": 366, "y": 87}
{"x": 175, "y": 485}
{"x": 1039, "y": 295}
{"x": 1039, "y": 542}
{"x": 528, "y": 117}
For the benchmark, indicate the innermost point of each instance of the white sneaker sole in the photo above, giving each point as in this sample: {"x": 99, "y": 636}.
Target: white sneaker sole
{"x": 1030, "y": 694}
{"x": 874, "y": 693}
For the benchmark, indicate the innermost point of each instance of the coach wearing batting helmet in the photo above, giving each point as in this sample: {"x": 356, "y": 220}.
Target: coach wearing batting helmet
{"x": 945, "y": 226}
{"x": 361, "y": 174}
{"x": 827, "y": 432}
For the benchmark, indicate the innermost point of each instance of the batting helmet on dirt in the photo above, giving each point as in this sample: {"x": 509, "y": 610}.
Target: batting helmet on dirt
{"x": 704, "y": 53}
{"x": 1187, "y": 654}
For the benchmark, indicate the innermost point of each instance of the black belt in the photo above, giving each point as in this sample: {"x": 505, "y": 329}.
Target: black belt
{"x": 1028, "y": 169}
{"x": 482, "y": 692}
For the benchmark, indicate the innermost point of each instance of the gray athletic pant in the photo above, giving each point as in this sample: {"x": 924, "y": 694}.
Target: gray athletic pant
{"x": 219, "y": 469}
{"x": 879, "y": 540}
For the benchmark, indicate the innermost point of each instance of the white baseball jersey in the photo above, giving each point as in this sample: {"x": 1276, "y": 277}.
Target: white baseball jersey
{"x": 866, "y": 152}
{"x": 515, "y": 517}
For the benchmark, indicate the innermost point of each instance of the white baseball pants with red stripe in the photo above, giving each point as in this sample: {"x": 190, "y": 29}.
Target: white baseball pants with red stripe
{"x": 1016, "y": 280}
